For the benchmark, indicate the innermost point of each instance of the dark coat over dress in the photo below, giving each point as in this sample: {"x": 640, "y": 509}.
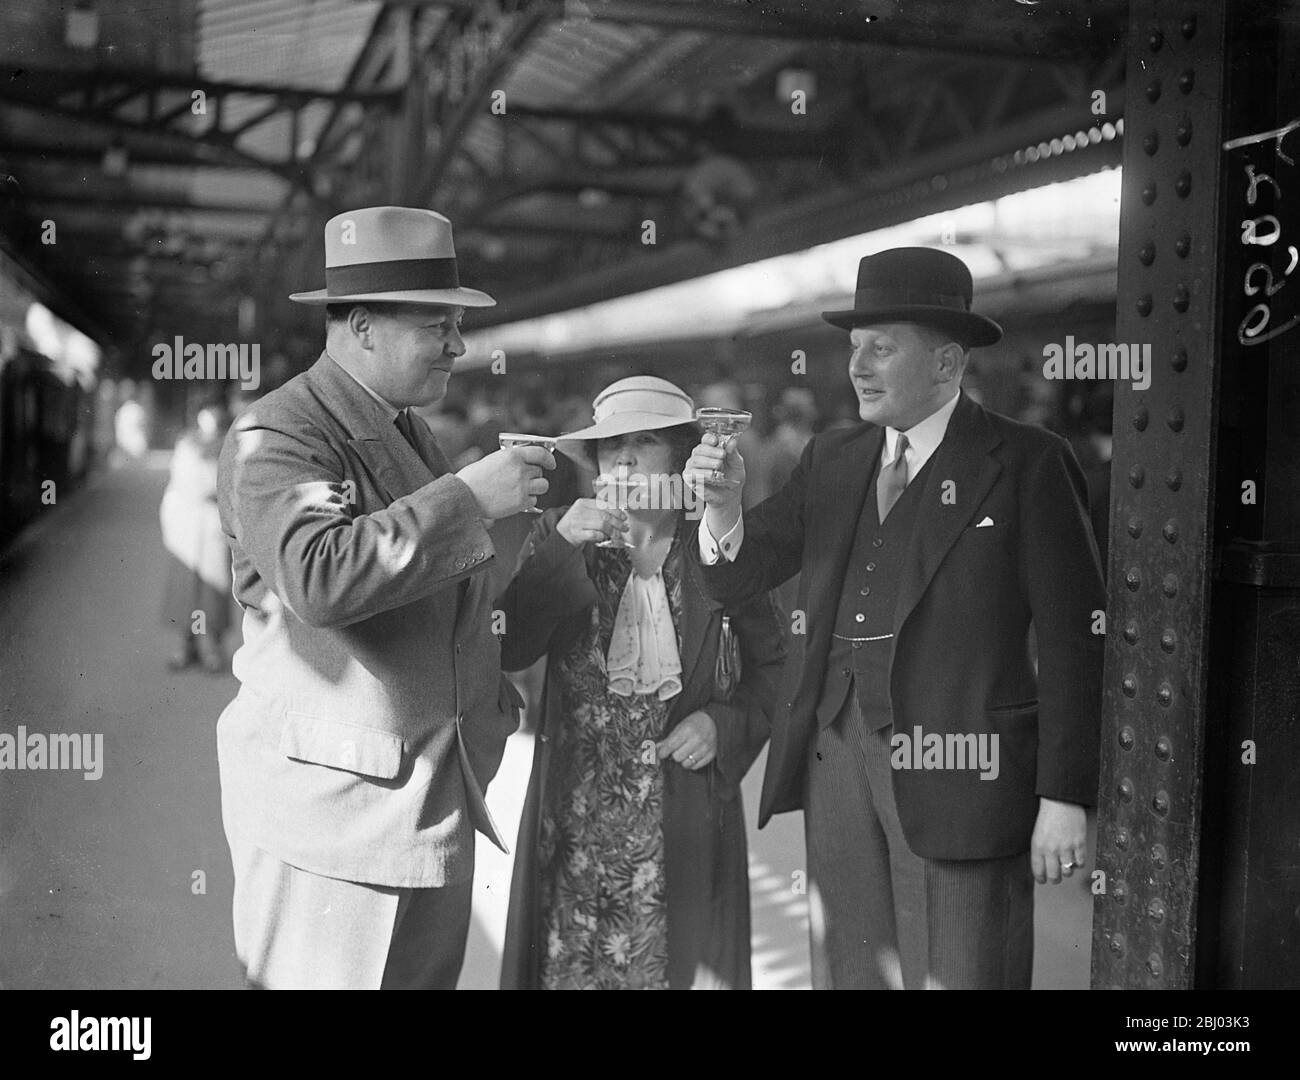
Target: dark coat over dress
{"x": 547, "y": 606}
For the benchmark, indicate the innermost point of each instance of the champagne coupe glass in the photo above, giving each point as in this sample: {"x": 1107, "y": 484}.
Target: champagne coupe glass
{"x": 618, "y": 488}
{"x": 508, "y": 440}
{"x": 726, "y": 424}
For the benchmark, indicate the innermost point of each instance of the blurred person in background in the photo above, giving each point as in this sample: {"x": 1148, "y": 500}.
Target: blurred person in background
{"x": 796, "y": 420}
{"x": 196, "y": 598}
{"x": 130, "y": 425}
{"x": 105, "y": 407}
{"x": 631, "y": 866}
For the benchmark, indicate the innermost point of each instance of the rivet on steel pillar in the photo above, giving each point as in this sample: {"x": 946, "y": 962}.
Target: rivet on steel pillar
{"x": 1150, "y": 808}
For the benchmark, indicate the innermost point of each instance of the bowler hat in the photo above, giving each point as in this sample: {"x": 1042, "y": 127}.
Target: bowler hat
{"x": 917, "y": 285}
{"x": 395, "y": 254}
{"x": 638, "y": 403}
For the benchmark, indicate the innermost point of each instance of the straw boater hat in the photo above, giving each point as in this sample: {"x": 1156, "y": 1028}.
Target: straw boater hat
{"x": 639, "y": 403}
{"x": 391, "y": 253}
{"x": 916, "y": 285}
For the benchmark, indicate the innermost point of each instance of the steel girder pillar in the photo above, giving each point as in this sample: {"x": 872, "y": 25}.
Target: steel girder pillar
{"x": 1198, "y": 844}
{"x": 1250, "y": 880}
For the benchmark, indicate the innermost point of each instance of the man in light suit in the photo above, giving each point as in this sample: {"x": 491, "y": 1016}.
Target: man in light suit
{"x": 939, "y": 773}
{"x": 372, "y": 711}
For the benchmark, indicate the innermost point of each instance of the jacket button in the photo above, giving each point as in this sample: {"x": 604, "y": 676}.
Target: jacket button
{"x": 870, "y": 567}
{"x": 859, "y": 617}
{"x": 847, "y": 672}
{"x": 865, "y": 590}
{"x": 877, "y": 542}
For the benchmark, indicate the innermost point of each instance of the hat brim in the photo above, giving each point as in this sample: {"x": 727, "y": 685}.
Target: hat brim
{"x": 972, "y": 329}
{"x": 622, "y": 423}
{"x": 459, "y": 297}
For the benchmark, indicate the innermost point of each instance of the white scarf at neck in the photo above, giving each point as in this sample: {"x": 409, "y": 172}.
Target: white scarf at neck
{"x": 643, "y": 656}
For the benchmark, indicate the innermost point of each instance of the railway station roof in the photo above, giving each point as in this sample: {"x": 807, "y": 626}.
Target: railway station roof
{"x": 167, "y": 168}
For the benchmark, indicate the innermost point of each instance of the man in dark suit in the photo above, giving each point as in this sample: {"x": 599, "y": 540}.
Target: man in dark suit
{"x": 372, "y": 711}
{"x": 927, "y": 753}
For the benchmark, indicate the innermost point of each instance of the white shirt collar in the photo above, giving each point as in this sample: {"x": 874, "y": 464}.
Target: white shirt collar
{"x": 923, "y": 439}
{"x": 392, "y": 410}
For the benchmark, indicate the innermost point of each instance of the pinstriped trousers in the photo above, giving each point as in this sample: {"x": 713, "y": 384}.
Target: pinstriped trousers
{"x": 882, "y": 917}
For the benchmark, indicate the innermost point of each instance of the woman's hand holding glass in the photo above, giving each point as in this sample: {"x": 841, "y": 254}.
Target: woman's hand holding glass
{"x": 589, "y": 521}
{"x": 693, "y": 743}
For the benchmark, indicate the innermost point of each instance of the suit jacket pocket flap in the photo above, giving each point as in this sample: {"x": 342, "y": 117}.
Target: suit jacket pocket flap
{"x": 339, "y": 745}
{"x": 1018, "y": 709}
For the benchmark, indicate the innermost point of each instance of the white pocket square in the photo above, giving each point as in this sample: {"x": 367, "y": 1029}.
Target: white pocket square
{"x": 985, "y": 523}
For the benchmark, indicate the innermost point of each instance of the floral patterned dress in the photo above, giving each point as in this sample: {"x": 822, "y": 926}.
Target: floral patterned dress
{"x": 601, "y": 850}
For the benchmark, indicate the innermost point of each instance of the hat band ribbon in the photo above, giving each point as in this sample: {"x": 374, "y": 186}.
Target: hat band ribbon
{"x": 888, "y": 298}
{"x": 397, "y": 275}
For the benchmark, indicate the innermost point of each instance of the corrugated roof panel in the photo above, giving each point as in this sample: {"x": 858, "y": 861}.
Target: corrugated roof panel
{"x": 647, "y": 67}
{"x": 710, "y": 70}
{"x": 570, "y": 56}
{"x": 303, "y": 43}
{"x": 310, "y": 43}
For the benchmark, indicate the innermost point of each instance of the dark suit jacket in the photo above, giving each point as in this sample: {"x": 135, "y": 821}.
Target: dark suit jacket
{"x": 705, "y": 866}
{"x": 372, "y": 711}
{"x": 960, "y": 659}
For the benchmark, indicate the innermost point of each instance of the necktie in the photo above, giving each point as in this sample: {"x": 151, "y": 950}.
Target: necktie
{"x": 410, "y": 428}
{"x": 892, "y": 480}
{"x": 403, "y": 421}
{"x": 421, "y": 440}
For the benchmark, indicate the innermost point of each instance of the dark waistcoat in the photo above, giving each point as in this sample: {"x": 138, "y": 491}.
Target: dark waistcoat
{"x": 864, "y": 621}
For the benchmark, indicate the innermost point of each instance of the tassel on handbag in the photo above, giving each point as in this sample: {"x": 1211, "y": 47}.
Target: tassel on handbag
{"x": 727, "y": 671}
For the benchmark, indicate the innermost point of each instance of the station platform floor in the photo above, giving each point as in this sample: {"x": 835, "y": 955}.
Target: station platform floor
{"x": 124, "y": 882}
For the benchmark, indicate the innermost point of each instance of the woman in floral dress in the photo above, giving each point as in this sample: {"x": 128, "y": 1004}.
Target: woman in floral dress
{"x": 631, "y": 867}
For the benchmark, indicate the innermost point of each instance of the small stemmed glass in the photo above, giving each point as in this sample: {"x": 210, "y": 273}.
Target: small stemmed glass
{"x": 725, "y": 424}
{"x": 508, "y": 440}
{"x": 617, "y": 489}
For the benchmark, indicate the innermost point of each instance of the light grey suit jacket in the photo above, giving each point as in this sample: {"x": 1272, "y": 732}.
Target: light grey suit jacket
{"x": 372, "y": 711}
